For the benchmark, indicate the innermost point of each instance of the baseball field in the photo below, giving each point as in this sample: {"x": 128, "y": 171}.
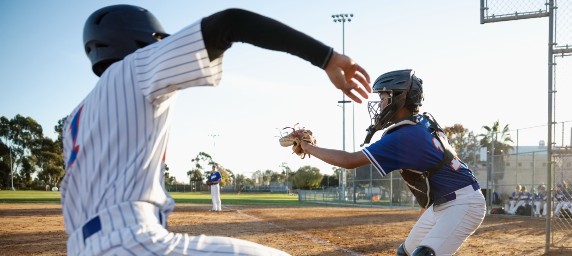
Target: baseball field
{"x": 31, "y": 223}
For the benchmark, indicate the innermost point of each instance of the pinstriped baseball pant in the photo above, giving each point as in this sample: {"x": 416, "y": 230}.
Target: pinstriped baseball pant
{"x": 137, "y": 228}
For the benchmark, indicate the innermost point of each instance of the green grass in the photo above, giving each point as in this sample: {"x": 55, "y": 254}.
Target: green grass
{"x": 233, "y": 198}
{"x": 34, "y": 196}
{"x": 29, "y": 196}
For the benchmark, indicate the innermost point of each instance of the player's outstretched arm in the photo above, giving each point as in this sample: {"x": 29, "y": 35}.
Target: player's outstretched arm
{"x": 222, "y": 29}
{"x": 336, "y": 157}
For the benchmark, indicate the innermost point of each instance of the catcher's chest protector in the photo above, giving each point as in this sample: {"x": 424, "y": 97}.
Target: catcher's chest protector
{"x": 418, "y": 181}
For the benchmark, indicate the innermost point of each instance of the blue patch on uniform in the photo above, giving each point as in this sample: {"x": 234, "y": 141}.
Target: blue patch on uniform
{"x": 74, "y": 130}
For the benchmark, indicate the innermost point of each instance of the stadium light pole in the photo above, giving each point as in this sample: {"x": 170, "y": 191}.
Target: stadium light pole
{"x": 214, "y": 144}
{"x": 11, "y": 167}
{"x": 343, "y": 18}
{"x": 11, "y": 170}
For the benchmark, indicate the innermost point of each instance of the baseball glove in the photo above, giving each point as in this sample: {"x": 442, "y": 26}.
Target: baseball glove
{"x": 210, "y": 182}
{"x": 293, "y": 139}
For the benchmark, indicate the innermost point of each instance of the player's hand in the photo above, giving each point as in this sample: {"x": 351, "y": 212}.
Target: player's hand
{"x": 347, "y": 75}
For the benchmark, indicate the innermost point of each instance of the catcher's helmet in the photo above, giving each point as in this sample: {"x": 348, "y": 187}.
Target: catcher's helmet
{"x": 404, "y": 89}
{"x": 113, "y": 32}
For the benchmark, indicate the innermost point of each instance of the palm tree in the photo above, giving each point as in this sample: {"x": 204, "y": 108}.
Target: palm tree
{"x": 497, "y": 141}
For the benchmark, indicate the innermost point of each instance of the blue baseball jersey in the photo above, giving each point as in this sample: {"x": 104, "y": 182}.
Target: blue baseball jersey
{"x": 215, "y": 176}
{"x": 413, "y": 146}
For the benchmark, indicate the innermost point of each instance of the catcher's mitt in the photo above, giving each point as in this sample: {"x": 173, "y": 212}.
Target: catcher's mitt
{"x": 293, "y": 139}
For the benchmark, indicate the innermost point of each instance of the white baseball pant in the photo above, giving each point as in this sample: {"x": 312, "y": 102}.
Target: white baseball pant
{"x": 215, "y": 194}
{"x": 137, "y": 228}
{"x": 445, "y": 227}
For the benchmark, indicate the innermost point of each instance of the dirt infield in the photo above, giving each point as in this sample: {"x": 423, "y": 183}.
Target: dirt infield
{"x": 37, "y": 229}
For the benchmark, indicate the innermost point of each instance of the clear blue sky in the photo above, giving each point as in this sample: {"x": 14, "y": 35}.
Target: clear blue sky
{"x": 473, "y": 74}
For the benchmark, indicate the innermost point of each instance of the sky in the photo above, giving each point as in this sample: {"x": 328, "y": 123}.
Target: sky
{"x": 473, "y": 74}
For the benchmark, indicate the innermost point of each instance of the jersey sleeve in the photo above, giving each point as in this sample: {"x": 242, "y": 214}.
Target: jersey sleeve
{"x": 177, "y": 62}
{"x": 407, "y": 148}
{"x": 221, "y": 29}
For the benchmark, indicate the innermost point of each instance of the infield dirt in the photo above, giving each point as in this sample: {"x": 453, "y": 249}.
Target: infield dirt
{"x": 37, "y": 229}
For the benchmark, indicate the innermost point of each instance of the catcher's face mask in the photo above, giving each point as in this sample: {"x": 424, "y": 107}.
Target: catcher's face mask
{"x": 381, "y": 112}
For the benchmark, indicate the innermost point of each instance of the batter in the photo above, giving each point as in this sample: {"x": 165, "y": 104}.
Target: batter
{"x": 114, "y": 200}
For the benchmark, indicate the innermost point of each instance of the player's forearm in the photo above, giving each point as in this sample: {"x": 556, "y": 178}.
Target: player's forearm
{"x": 222, "y": 29}
{"x": 337, "y": 157}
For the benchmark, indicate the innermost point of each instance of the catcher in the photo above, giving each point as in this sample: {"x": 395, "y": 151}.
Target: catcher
{"x": 416, "y": 146}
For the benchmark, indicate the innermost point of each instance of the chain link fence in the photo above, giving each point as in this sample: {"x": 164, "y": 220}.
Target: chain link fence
{"x": 536, "y": 198}
{"x": 516, "y": 7}
{"x": 563, "y": 22}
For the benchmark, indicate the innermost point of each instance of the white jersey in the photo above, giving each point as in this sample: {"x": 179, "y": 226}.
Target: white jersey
{"x": 115, "y": 139}
{"x": 113, "y": 196}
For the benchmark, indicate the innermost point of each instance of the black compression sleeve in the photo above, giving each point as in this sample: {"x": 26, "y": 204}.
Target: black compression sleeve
{"x": 223, "y": 28}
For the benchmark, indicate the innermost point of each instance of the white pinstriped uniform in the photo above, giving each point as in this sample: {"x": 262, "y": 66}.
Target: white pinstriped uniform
{"x": 114, "y": 143}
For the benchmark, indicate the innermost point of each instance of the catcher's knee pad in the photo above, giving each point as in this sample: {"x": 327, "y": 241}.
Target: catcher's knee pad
{"x": 401, "y": 250}
{"x": 423, "y": 251}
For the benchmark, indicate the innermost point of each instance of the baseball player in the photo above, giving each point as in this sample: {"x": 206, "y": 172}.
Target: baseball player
{"x": 214, "y": 181}
{"x": 562, "y": 197}
{"x": 513, "y": 199}
{"x": 540, "y": 201}
{"x": 522, "y": 198}
{"x": 114, "y": 199}
{"x": 416, "y": 146}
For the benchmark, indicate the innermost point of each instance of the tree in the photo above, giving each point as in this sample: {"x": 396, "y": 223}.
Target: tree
{"x": 287, "y": 171}
{"x": 497, "y": 141}
{"x": 242, "y": 181}
{"x": 169, "y": 180}
{"x": 266, "y": 177}
{"x": 463, "y": 141}
{"x": 50, "y": 161}
{"x": 5, "y": 153}
{"x": 257, "y": 177}
{"x": 22, "y": 136}
{"x": 196, "y": 178}
{"x": 50, "y": 158}
{"x": 329, "y": 181}
{"x": 227, "y": 176}
{"x": 202, "y": 159}
{"x": 307, "y": 177}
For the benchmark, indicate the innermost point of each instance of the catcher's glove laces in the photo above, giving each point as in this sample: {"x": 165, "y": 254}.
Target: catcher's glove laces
{"x": 295, "y": 137}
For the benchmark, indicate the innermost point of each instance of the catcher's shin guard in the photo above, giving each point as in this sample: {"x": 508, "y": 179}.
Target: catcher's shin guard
{"x": 423, "y": 251}
{"x": 401, "y": 251}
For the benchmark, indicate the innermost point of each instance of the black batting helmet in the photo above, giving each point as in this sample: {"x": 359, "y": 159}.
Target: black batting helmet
{"x": 404, "y": 89}
{"x": 113, "y": 32}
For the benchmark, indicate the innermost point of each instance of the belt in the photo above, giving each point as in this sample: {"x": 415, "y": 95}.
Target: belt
{"x": 94, "y": 224}
{"x": 91, "y": 227}
{"x": 453, "y": 195}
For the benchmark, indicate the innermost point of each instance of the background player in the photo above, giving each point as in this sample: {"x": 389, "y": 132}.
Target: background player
{"x": 214, "y": 179}
{"x": 114, "y": 199}
{"x": 540, "y": 203}
{"x": 562, "y": 198}
{"x": 415, "y": 145}
{"x": 513, "y": 199}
